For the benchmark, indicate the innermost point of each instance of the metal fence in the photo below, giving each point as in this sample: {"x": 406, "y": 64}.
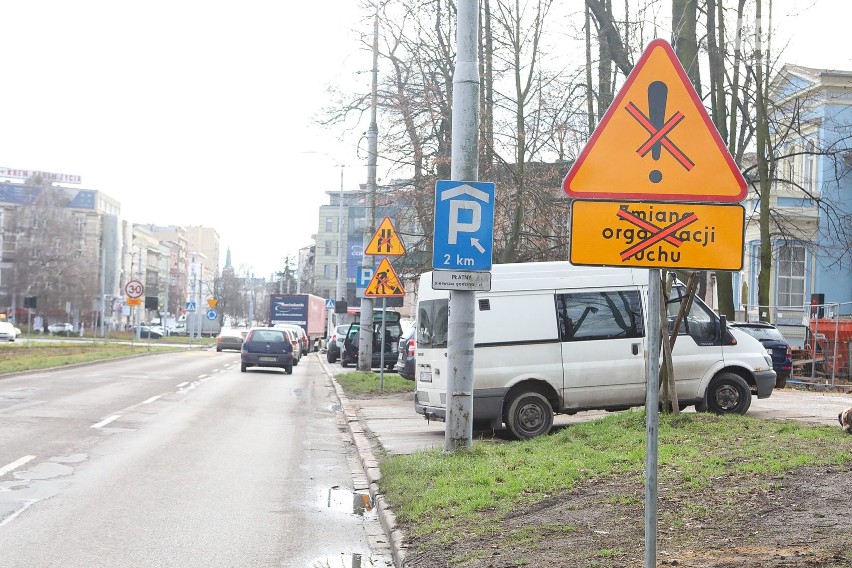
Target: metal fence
{"x": 821, "y": 337}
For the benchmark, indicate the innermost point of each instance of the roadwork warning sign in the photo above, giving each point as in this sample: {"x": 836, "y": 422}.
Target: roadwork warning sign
{"x": 657, "y": 235}
{"x": 385, "y": 283}
{"x": 656, "y": 142}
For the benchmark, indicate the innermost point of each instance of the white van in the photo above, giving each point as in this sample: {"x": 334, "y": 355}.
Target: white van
{"x": 551, "y": 337}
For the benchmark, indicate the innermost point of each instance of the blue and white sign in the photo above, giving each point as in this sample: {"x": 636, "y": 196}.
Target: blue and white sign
{"x": 190, "y": 307}
{"x": 211, "y": 314}
{"x": 329, "y": 304}
{"x": 464, "y": 225}
{"x": 363, "y": 279}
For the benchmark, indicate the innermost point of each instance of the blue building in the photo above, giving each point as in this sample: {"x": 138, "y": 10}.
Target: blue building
{"x": 811, "y": 199}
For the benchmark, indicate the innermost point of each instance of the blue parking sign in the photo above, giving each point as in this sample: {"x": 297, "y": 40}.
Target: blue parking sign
{"x": 464, "y": 226}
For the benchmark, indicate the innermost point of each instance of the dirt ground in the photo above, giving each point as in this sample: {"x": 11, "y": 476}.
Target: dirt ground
{"x": 801, "y": 519}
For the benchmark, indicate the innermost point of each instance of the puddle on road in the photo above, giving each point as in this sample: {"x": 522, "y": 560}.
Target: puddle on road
{"x": 348, "y": 501}
{"x": 335, "y": 407}
{"x": 346, "y": 561}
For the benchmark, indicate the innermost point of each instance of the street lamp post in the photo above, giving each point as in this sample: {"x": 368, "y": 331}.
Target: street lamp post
{"x": 340, "y": 291}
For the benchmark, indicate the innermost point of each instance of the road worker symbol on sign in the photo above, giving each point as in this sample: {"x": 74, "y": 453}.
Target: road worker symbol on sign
{"x": 385, "y": 283}
{"x": 385, "y": 241}
{"x": 656, "y": 142}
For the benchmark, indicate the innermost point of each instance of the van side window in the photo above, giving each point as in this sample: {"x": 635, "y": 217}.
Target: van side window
{"x": 700, "y": 322}
{"x": 432, "y": 323}
{"x": 588, "y": 316}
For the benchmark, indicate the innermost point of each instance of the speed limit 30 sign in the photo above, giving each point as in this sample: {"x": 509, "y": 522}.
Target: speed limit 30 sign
{"x": 134, "y": 289}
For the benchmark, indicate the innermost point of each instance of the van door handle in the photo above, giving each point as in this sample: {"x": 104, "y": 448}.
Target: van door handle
{"x": 635, "y": 349}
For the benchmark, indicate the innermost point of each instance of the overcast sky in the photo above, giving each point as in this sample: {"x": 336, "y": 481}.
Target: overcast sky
{"x": 197, "y": 112}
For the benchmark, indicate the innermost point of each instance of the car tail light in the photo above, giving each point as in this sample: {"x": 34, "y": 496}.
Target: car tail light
{"x": 411, "y": 346}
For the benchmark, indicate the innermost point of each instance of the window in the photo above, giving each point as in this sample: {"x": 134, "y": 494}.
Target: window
{"x": 329, "y": 224}
{"x": 80, "y": 223}
{"x": 699, "y": 322}
{"x": 328, "y": 248}
{"x": 791, "y": 275}
{"x": 326, "y": 271}
{"x": 589, "y": 316}
{"x": 808, "y": 161}
{"x": 432, "y": 323}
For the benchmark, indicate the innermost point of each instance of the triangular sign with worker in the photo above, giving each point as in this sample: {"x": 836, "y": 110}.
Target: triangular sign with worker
{"x": 386, "y": 241}
{"x": 656, "y": 142}
{"x": 385, "y": 283}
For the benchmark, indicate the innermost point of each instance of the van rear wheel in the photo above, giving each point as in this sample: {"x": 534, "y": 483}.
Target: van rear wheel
{"x": 529, "y": 415}
{"x": 728, "y": 393}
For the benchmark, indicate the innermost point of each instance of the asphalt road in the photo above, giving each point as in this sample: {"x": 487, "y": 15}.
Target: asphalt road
{"x": 181, "y": 460}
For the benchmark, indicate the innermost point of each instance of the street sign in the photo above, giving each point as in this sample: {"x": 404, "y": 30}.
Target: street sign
{"x": 464, "y": 226}
{"x": 211, "y": 314}
{"x": 657, "y": 235}
{"x": 461, "y": 280}
{"x": 656, "y": 142}
{"x": 385, "y": 283}
{"x": 134, "y": 301}
{"x": 211, "y": 302}
{"x": 190, "y": 307}
{"x": 134, "y": 289}
{"x": 385, "y": 241}
{"x": 329, "y": 304}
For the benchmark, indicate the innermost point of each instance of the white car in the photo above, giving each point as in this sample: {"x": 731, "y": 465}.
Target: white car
{"x": 60, "y": 328}
{"x": 8, "y": 332}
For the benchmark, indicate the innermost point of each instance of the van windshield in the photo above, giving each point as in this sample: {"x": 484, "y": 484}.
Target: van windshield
{"x": 700, "y": 321}
{"x": 432, "y": 319}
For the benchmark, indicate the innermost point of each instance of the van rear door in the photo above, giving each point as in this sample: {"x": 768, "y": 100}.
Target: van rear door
{"x": 602, "y": 333}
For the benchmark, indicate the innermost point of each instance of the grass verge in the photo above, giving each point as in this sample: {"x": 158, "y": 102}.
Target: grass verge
{"x": 359, "y": 383}
{"x": 17, "y": 358}
{"x": 437, "y": 494}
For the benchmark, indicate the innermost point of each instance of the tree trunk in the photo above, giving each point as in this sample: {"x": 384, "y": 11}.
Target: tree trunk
{"x": 765, "y": 184}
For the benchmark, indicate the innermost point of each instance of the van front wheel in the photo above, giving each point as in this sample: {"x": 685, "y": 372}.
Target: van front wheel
{"x": 529, "y": 415}
{"x": 728, "y": 393}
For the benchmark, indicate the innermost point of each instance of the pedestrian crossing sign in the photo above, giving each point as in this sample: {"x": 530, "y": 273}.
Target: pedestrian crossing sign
{"x": 385, "y": 283}
{"x": 386, "y": 241}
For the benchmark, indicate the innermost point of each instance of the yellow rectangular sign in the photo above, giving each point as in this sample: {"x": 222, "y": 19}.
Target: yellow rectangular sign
{"x": 134, "y": 301}
{"x": 657, "y": 235}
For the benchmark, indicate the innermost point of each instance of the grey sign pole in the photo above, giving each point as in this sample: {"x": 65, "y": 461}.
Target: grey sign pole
{"x": 465, "y": 167}
{"x": 652, "y": 414}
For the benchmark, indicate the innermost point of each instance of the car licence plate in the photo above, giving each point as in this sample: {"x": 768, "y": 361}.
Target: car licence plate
{"x": 268, "y": 359}
{"x": 425, "y": 376}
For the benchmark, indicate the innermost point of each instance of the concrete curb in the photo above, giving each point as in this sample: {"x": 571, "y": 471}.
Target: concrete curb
{"x": 370, "y": 465}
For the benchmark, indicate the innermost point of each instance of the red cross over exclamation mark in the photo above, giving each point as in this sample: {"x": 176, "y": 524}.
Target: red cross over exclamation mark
{"x": 657, "y": 95}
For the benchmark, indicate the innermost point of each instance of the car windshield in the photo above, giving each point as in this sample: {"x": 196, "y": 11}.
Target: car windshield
{"x": 762, "y": 332}
{"x": 268, "y": 335}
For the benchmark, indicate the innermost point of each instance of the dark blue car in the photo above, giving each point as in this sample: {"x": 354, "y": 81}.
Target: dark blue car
{"x": 267, "y": 347}
{"x": 775, "y": 344}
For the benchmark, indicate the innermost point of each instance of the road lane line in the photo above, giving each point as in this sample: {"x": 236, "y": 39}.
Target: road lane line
{"x": 152, "y": 399}
{"x": 15, "y": 465}
{"x": 201, "y": 376}
{"x": 106, "y": 421}
{"x": 183, "y": 384}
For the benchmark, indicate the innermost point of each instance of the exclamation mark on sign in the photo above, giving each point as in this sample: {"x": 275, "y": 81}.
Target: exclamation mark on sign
{"x": 657, "y": 94}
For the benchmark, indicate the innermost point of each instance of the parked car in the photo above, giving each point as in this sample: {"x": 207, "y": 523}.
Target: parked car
{"x": 146, "y": 332}
{"x": 776, "y": 346}
{"x": 407, "y": 362}
{"x": 8, "y": 332}
{"x": 294, "y": 340}
{"x": 230, "y": 338}
{"x": 335, "y": 343}
{"x": 393, "y": 330}
{"x": 267, "y": 347}
{"x": 304, "y": 341}
{"x": 60, "y": 328}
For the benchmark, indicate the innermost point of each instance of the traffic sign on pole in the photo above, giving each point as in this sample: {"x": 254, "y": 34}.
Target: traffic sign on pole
{"x": 464, "y": 225}
{"x": 656, "y": 142}
{"x": 190, "y": 307}
{"x": 134, "y": 289}
{"x": 211, "y": 314}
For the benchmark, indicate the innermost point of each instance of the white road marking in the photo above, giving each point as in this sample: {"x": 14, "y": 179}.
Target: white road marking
{"x": 202, "y": 376}
{"x": 183, "y": 384}
{"x": 15, "y": 465}
{"x": 152, "y": 399}
{"x": 106, "y": 421}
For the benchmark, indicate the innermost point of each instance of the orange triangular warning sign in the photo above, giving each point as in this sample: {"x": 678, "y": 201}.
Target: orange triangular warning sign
{"x": 656, "y": 142}
{"x": 385, "y": 283}
{"x": 386, "y": 241}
